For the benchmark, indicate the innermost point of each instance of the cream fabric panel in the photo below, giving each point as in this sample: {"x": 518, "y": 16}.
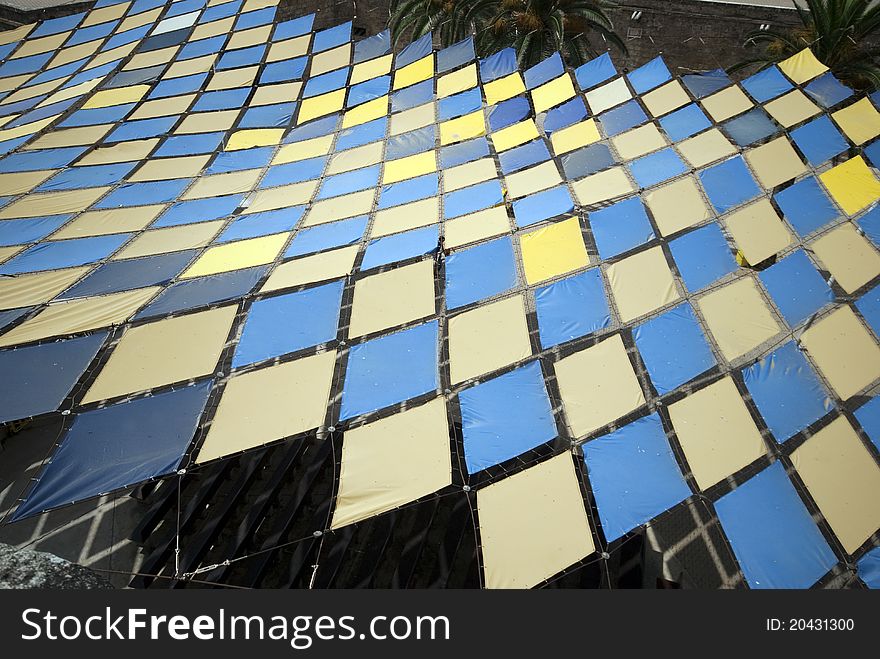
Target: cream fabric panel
{"x": 850, "y": 258}
{"x": 607, "y": 96}
{"x": 528, "y": 181}
{"x": 113, "y": 220}
{"x": 758, "y": 231}
{"x": 161, "y": 169}
{"x": 392, "y": 298}
{"x": 641, "y": 283}
{"x": 283, "y": 196}
{"x": 775, "y": 163}
{"x": 122, "y": 152}
{"x": 726, "y": 103}
{"x": 406, "y": 216}
{"x": 602, "y": 186}
{"x": 36, "y": 287}
{"x": 320, "y": 267}
{"x": 639, "y": 141}
{"x": 52, "y": 203}
{"x": 476, "y": 226}
{"x": 792, "y": 108}
{"x": 667, "y": 98}
{"x": 461, "y": 176}
{"x": 339, "y": 208}
{"x": 705, "y": 148}
{"x": 677, "y": 206}
{"x": 172, "y": 239}
{"x": 362, "y": 156}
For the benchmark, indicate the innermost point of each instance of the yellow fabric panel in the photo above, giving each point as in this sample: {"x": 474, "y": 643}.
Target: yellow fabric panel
{"x": 844, "y": 350}
{"x": 705, "y": 148}
{"x": 243, "y": 77}
{"x": 504, "y": 88}
{"x": 462, "y": 128}
{"x": 483, "y": 224}
{"x": 758, "y": 231}
{"x": 317, "y": 146}
{"x": 843, "y": 479}
{"x": 639, "y": 141}
{"x": 362, "y": 156}
{"x": 237, "y": 255}
{"x": 74, "y": 53}
{"x": 312, "y": 269}
{"x": 469, "y": 173}
{"x": 852, "y": 185}
{"x": 21, "y": 182}
{"x": 553, "y": 250}
{"x": 256, "y": 408}
{"x": 58, "y": 139}
{"x": 288, "y": 48}
{"x": 163, "y": 107}
{"x": 16, "y": 34}
{"x": 488, "y": 338}
{"x": 727, "y": 103}
{"x": 738, "y": 318}
{"x": 370, "y": 69}
{"x": 393, "y": 461}
{"x": 120, "y": 152}
{"x": 552, "y": 93}
{"x": 406, "y": 216}
{"x": 392, "y": 298}
{"x": 607, "y": 96}
{"x": 641, "y": 283}
{"x": 271, "y": 94}
{"x": 598, "y": 386}
{"x": 283, "y": 196}
{"x": 159, "y": 169}
{"x": 418, "y": 117}
{"x": 37, "y": 287}
{"x": 665, "y": 99}
{"x": 602, "y": 186}
{"x": 860, "y": 121}
{"x": 207, "y": 122}
{"x": 338, "y": 208}
{"x": 172, "y": 239}
{"x": 72, "y": 316}
{"x": 792, "y": 108}
{"x": 532, "y": 525}
{"x": 775, "y": 163}
{"x": 528, "y": 181}
{"x": 190, "y": 66}
{"x": 850, "y": 257}
{"x": 365, "y": 112}
{"x": 118, "y": 96}
{"x": 221, "y": 184}
{"x": 457, "y": 81}
{"x": 104, "y": 14}
{"x": 802, "y": 67}
{"x": 514, "y": 135}
{"x": 40, "y": 45}
{"x": 677, "y": 206}
{"x": 318, "y": 106}
{"x": 416, "y": 72}
{"x": 330, "y": 60}
{"x": 251, "y": 37}
{"x": 716, "y": 432}
{"x": 574, "y": 137}
{"x": 52, "y": 203}
{"x": 409, "y": 167}
{"x": 26, "y": 129}
{"x": 249, "y": 138}
{"x": 113, "y": 220}
{"x": 163, "y": 352}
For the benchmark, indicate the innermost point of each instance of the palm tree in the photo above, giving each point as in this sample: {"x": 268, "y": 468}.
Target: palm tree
{"x": 534, "y": 28}
{"x": 837, "y": 31}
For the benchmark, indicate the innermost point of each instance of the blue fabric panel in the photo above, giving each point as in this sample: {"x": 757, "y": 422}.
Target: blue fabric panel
{"x": 806, "y": 206}
{"x": 796, "y": 287}
{"x": 729, "y": 184}
{"x": 288, "y": 323}
{"x": 542, "y": 205}
{"x": 872, "y": 153}
{"x": 404, "y": 192}
{"x": 767, "y": 84}
{"x": 293, "y": 28}
{"x": 371, "y": 47}
{"x": 317, "y": 128}
{"x": 827, "y": 90}
{"x": 233, "y": 59}
{"x": 368, "y": 90}
{"x": 31, "y": 161}
{"x": 59, "y": 72}
{"x": 786, "y": 391}
{"x": 331, "y": 37}
{"x": 526, "y": 155}
{"x": 621, "y": 227}
{"x": 326, "y": 82}
{"x": 819, "y": 140}
{"x": 673, "y": 348}
{"x": 192, "y": 293}
{"x": 869, "y": 569}
{"x": 704, "y": 84}
{"x": 363, "y": 134}
{"x": 565, "y": 115}
{"x": 167, "y": 40}
{"x": 41, "y": 113}
{"x": 56, "y": 25}
{"x": 571, "y": 308}
{"x": 750, "y": 127}
{"x": 36, "y": 379}
{"x": 201, "y": 47}
{"x": 115, "y": 276}
{"x": 95, "y": 116}
{"x": 702, "y": 257}
{"x": 390, "y": 370}
{"x": 459, "y": 104}
{"x": 400, "y": 246}
{"x": 775, "y": 540}
{"x": 118, "y": 446}
{"x": 86, "y": 177}
{"x": 9, "y": 145}
{"x": 327, "y": 236}
{"x": 544, "y": 71}
{"x": 225, "y": 99}
{"x": 353, "y": 181}
{"x": 294, "y": 172}
{"x": 139, "y": 194}
{"x": 144, "y": 76}
{"x": 870, "y": 224}
{"x": 505, "y": 417}
{"x": 21, "y": 106}
{"x": 498, "y": 65}
{"x": 407, "y": 144}
{"x": 278, "y": 115}
{"x": 869, "y": 306}
{"x": 9, "y": 316}
{"x": 508, "y": 112}
{"x": 261, "y": 224}
{"x": 220, "y": 11}
{"x": 240, "y": 159}
{"x": 634, "y": 476}
{"x": 180, "y": 7}
{"x": 458, "y": 154}
{"x": 657, "y": 167}
{"x": 21, "y": 65}
{"x": 91, "y": 74}
{"x": 63, "y": 254}
{"x": 479, "y": 272}
{"x": 125, "y": 38}
{"x": 622, "y": 118}
{"x": 413, "y": 52}
{"x": 650, "y": 75}
{"x": 255, "y": 18}
{"x": 141, "y": 129}
{"x": 29, "y": 230}
{"x": 455, "y": 55}
{"x": 868, "y": 416}
{"x": 471, "y": 199}
{"x": 198, "y": 210}
{"x": 595, "y": 71}
{"x": 176, "y": 86}
{"x": 291, "y": 69}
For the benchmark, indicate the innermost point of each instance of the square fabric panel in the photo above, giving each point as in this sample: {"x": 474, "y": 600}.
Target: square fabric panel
{"x": 844, "y": 480}
{"x": 620, "y": 227}
{"x": 860, "y": 121}
{"x": 571, "y": 308}
{"x": 738, "y": 318}
{"x": 729, "y": 184}
{"x": 702, "y": 257}
{"x": 758, "y": 231}
{"x": 677, "y": 206}
{"x": 775, "y": 540}
{"x": 775, "y": 163}
{"x": 850, "y": 257}
{"x": 608, "y": 96}
{"x": 392, "y": 298}
{"x": 633, "y": 476}
{"x": 598, "y": 386}
{"x": 716, "y": 432}
{"x": 641, "y": 283}
{"x": 797, "y": 288}
{"x": 505, "y": 417}
{"x": 844, "y": 350}
{"x": 603, "y": 186}
{"x": 806, "y": 206}
{"x": 666, "y": 98}
{"x": 163, "y": 352}
{"x": 553, "y": 250}
{"x": 391, "y": 462}
{"x": 268, "y": 404}
{"x": 375, "y": 376}
{"x": 726, "y": 103}
{"x": 793, "y": 108}
{"x": 706, "y": 148}
{"x": 638, "y": 142}
{"x": 852, "y": 185}
{"x": 532, "y": 525}
{"x": 479, "y": 272}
